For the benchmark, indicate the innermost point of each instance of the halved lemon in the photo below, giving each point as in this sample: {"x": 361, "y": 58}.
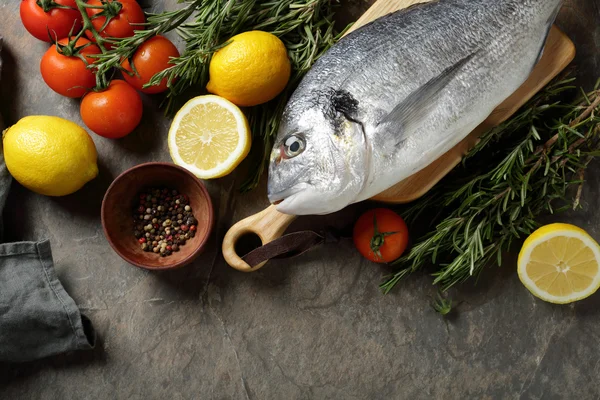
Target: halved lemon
{"x": 560, "y": 263}
{"x": 209, "y": 136}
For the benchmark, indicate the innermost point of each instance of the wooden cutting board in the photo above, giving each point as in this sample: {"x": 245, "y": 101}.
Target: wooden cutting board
{"x": 270, "y": 224}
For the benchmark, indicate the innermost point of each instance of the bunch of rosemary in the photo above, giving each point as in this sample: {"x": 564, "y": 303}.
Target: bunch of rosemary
{"x": 305, "y": 26}
{"x": 520, "y": 170}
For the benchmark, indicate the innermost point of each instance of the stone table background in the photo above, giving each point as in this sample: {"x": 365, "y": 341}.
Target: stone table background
{"x": 315, "y": 328}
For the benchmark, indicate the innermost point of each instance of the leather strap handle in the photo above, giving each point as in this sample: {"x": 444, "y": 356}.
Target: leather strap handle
{"x": 290, "y": 245}
{"x": 268, "y": 225}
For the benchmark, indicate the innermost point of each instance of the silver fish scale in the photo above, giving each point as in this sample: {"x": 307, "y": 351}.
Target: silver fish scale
{"x": 489, "y": 45}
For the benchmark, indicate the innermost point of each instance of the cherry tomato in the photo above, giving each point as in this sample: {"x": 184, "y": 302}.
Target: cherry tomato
{"x": 380, "y": 235}
{"x": 114, "y": 112}
{"x": 121, "y": 25}
{"x": 69, "y": 75}
{"x": 58, "y": 21}
{"x": 150, "y": 58}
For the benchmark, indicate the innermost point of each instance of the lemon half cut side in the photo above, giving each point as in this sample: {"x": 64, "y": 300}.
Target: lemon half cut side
{"x": 560, "y": 263}
{"x": 209, "y": 137}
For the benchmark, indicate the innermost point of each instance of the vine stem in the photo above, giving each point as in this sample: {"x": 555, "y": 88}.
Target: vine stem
{"x": 101, "y": 81}
{"x": 87, "y": 24}
{"x": 91, "y": 6}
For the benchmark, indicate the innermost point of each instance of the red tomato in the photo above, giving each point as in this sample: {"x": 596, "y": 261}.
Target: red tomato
{"x": 150, "y": 58}
{"x": 68, "y": 75}
{"x": 59, "y": 21}
{"x": 114, "y": 112}
{"x": 380, "y": 235}
{"x": 119, "y": 26}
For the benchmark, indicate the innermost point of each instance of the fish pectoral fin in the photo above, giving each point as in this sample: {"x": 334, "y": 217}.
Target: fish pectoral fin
{"x": 420, "y": 102}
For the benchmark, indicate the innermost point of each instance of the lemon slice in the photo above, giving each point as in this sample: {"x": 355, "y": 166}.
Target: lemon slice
{"x": 560, "y": 263}
{"x": 209, "y": 136}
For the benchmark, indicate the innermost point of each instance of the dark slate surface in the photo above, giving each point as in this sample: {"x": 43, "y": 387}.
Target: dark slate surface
{"x": 315, "y": 328}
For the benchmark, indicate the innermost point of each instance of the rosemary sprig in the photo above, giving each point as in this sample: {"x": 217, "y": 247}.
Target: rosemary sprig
{"x": 518, "y": 171}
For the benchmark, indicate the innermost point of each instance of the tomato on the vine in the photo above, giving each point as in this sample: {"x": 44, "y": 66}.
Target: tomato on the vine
{"x": 67, "y": 74}
{"x": 151, "y": 57}
{"x": 113, "y": 112}
{"x": 43, "y": 18}
{"x": 122, "y": 24}
{"x": 380, "y": 235}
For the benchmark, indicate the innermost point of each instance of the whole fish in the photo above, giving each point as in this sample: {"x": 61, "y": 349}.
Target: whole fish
{"x": 393, "y": 96}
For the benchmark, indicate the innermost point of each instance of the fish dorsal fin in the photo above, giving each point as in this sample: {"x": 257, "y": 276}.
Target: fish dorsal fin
{"x": 420, "y": 102}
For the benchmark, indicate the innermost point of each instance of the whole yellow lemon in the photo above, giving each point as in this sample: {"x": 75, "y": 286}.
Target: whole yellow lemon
{"x": 252, "y": 69}
{"x": 50, "y": 155}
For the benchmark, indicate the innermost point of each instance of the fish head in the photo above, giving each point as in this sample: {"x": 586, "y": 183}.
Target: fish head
{"x": 318, "y": 162}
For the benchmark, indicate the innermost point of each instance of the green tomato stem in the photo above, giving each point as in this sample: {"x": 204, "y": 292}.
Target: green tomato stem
{"x": 48, "y": 5}
{"x": 378, "y": 239}
{"x": 77, "y": 37}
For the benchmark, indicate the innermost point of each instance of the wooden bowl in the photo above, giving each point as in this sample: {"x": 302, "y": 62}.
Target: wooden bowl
{"x": 117, "y": 213}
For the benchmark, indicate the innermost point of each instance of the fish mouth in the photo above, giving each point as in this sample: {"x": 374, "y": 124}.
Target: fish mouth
{"x": 279, "y": 197}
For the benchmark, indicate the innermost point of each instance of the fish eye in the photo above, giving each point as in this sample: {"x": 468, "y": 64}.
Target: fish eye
{"x": 293, "y": 145}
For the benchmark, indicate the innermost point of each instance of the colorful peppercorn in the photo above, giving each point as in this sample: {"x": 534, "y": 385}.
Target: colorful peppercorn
{"x": 163, "y": 221}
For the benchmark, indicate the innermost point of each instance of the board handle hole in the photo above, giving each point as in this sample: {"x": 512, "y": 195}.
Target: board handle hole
{"x": 246, "y": 243}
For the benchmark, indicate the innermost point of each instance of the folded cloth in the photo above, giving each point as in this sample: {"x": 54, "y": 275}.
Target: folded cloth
{"x": 37, "y": 317}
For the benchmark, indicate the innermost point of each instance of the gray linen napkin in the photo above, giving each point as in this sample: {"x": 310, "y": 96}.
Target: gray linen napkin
{"x": 37, "y": 316}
